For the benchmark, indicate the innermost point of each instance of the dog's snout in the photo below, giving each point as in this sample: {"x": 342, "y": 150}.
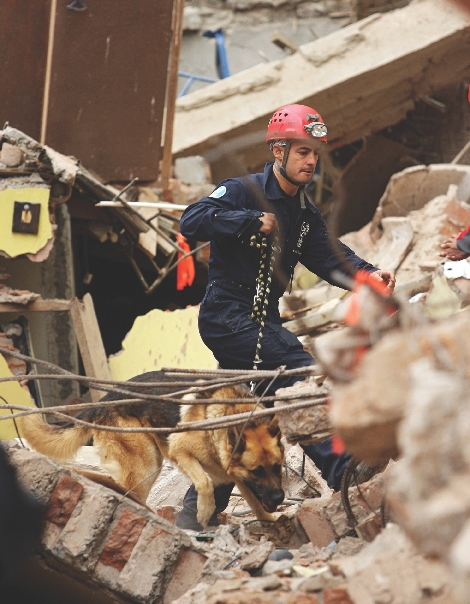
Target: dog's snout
{"x": 278, "y": 497}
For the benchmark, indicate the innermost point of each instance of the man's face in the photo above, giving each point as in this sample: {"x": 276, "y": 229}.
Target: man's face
{"x": 301, "y": 161}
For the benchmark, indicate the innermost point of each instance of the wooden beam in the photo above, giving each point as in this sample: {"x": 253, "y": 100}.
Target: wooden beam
{"x": 89, "y": 341}
{"x": 172, "y": 91}
{"x": 37, "y": 306}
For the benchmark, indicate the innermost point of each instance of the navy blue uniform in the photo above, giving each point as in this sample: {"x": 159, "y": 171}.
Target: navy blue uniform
{"x": 228, "y": 218}
{"x": 464, "y": 243}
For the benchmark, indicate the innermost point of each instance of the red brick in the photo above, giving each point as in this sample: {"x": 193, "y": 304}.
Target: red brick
{"x": 63, "y": 501}
{"x": 167, "y": 512}
{"x": 338, "y": 595}
{"x": 126, "y": 533}
{"x": 314, "y": 522}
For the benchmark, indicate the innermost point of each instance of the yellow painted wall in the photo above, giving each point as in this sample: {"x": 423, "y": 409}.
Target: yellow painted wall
{"x": 162, "y": 339}
{"x": 13, "y": 393}
{"x": 15, "y": 244}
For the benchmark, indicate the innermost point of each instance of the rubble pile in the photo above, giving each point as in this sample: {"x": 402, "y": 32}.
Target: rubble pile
{"x": 420, "y": 208}
{"x": 97, "y": 536}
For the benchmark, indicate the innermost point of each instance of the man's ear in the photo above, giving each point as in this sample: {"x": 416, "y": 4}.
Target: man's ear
{"x": 234, "y": 438}
{"x": 273, "y": 427}
{"x": 278, "y": 152}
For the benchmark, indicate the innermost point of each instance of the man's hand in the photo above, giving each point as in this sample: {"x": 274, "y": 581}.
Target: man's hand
{"x": 388, "y": 277}
{"x": 451, "y": 251}
{"x": 269, "y": 223}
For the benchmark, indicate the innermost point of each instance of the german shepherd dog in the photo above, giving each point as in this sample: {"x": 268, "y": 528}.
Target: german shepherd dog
{"x": 135, "y": 459}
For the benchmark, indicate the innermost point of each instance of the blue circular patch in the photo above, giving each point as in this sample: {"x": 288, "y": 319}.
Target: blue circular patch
{"x": 219, "y": 192}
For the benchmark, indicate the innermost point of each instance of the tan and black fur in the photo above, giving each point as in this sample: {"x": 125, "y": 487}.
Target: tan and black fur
{"x": 134, "y": 460}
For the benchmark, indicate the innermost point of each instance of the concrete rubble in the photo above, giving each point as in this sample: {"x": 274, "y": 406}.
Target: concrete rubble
{"x": 331, "y": 72}
{"x": 420, "y": 207}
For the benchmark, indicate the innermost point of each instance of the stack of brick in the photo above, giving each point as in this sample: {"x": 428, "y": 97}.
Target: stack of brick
{"x": 104, "y": 540}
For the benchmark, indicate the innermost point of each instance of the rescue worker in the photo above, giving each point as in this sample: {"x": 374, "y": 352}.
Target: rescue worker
{"x": 458, "y": 247}
{"x": 274, "y": 204}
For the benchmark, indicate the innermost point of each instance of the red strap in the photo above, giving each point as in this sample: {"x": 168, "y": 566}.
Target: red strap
{"x": 463, "y": 233}
{"x": 185, "y": 271}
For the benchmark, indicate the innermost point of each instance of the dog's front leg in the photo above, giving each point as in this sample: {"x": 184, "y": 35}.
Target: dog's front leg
{"x": 203, "y": 484}
{"x": 254, "y": 504}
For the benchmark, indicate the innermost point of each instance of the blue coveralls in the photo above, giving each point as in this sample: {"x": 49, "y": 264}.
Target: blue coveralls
{"x": 464, "y": 243}
{"x": 227, "y": 218}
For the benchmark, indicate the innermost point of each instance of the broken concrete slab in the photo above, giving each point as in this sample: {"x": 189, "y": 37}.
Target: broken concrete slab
{"x": 412, "y": 188}
{"x": 331, "y": 74}
{"x": 169, "y": 489}
{"x": 329, "y": 312}
{"x": 302, "y": 475}
{"x": 394, "y": 244}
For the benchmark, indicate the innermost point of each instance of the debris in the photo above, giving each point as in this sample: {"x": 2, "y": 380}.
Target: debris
{"x": 16, "y": 296}
{"x": 192, "y": 170}
{"x": 390, "y": 570}
{"x": 367, "y": 411}
{"x": 106, "y": 541}
{"x": 394, "y": 244}
{"x": 284, "y": 42}
{"x": 304, "y": 425}
{"x": 404, "y": 40}
{"x": 11, "y": 156}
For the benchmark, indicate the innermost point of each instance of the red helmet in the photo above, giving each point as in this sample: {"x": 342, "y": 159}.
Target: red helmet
{"x": 296, "y": 122}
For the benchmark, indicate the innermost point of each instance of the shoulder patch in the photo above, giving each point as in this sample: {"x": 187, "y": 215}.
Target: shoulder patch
{"x": 219, "y": 192}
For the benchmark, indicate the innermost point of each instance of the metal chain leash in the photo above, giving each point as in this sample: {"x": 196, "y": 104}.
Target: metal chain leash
{"x": 263, "y": 289}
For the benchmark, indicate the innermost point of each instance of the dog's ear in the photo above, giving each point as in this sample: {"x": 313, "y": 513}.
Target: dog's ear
{"x": 234, "y": 438}
{"x": 273, "y": 427}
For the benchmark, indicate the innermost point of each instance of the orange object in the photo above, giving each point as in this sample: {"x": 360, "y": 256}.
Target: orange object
{"x": 185, "y": 271}
{"x": 337, "y": 445}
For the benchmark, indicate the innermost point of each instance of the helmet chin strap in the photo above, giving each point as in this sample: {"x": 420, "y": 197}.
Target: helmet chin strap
{"x": 283, "y": 172}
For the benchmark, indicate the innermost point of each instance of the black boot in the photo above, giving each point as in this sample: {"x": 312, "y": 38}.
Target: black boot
{"x": 187, "y": 518}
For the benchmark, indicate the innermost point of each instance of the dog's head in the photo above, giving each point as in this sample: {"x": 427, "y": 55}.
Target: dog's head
{"x": 258, "y": 460}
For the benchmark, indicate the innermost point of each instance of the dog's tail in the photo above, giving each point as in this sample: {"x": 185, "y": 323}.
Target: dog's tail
{"x": 57, "y": 442}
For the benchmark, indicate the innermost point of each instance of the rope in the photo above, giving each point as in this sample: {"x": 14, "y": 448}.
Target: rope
{"x": 225, "y": 421}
